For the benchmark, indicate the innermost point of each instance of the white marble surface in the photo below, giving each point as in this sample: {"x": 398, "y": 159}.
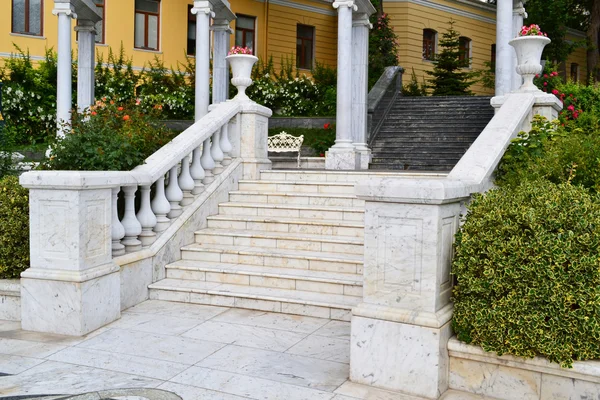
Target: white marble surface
{"x": 10, "y": 307}
{"x": 399, "y": 357}
{"x": 340, "y": 159}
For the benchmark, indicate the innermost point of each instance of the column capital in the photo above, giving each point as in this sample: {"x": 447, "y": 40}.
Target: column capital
{"x": 85, "y": 25}
{"x": 361, "y": 19}
{"x": 519, "y": 9}
{"x": 221, "y": 25}
{"x": 345, "y": 3}
{"x": 203, "y": 7}
{"x": 64, "y": 8}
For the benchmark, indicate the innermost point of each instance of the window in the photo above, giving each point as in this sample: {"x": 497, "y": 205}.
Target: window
{"x": 27, "y": 17}
{"x": 305, "y": 38}
{"x": 464, "y": 54}
{"x": 100, "y": 24}
{"x": 493, "y": 57}
{"x": 244, "y": 32}
{"x": 429, "y": 43}
{"x": 191, "y": 32}
{"x": 575, "y": 72}
{"x": 147, "y": 22}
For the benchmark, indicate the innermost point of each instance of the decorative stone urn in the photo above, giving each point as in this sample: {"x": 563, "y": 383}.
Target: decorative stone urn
{"x": 529, "y": 53}
{"x": 241, "y": 67}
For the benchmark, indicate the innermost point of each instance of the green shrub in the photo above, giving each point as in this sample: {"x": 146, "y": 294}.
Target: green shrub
{"x": 528, "y": 278}
{"x": 14, "y": 228}
{"x": 110, "y": 138}
{"x": 413, "y": 88}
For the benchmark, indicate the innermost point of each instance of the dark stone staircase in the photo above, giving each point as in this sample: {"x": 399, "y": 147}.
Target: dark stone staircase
{"x": 429, "y": 133}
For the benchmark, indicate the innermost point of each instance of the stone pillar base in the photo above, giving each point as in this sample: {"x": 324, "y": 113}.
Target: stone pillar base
{"x": 341, "y": 159}
{"x": 66, "y": 306}
{"x": 251, "y": 168}
{"x": 363, "y": 158}
{"x": 397, "y": 356}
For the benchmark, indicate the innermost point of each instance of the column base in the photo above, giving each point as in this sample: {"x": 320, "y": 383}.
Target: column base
{"x": 343, "y": 158}
{"x": 401, "y": 357}
{"x": 363, "y": 158}
{"x": 56, "y": 302}
{"x": 252, "y": 167}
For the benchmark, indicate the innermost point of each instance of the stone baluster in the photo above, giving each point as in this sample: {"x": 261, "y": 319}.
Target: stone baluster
{"x": 117, "y": 229}
{"x": 207, "y": 163}
{"x": 174, "y": 194}
{"x": 226, "y": 146}
{"x": 161, "y": 206}
{"x": 132, "y": 226}
{"x": 186, "y": 182}
{"x": 216, "y": 152}
{"x": 146, "y": 218}
{"x": 197, "y": 172}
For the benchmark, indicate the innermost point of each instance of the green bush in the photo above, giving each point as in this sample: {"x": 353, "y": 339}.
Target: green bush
{"x": 527, "y": 268}
{"x": 109, "y": 138}
{"x": 14, "y": 228}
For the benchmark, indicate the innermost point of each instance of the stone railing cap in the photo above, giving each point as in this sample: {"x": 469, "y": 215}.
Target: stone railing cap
{"x": 421, "y": 191}
{"x": 79, "y": 180}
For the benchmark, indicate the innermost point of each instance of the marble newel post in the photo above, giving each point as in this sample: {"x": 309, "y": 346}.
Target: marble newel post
{"x": 203, "y": 12}
{"x": 401, "y": 329}
{"x": 519, "y": 14}
{"x": 342, "y": 155}
{"x": 85, "y": 63}
{"x": 360, "y": 77}
{"x": 65, "y": 12}
{"x": 504, "y": 52}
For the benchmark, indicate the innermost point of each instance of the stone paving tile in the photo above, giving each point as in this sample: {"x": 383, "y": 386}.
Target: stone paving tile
{"x": 181, "y": 310}
{"x": 335, "y": 329}
{"x": 245, "y": 335}
{"x": 9, "y": 325}
{"x": 353, "y": 390}
{"x": 281, "y": 367}
{"x": 247, "y": 386}
{"x": 156, "y": 323}
{"x": 162, "y": 347}
{"x": 142, "y": 366}
{"x": 53, "y": 377}
{"x": 286, "y": 322}
{"x": 323, "y": 348}
{"x": 17, "y": 364}
{"x": 195, "y": 393}
{"x": 28, "y": 349}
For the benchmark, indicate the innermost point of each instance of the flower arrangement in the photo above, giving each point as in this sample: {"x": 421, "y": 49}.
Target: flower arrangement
{"x": 532, "y": 30}
{"x": 240, "y": 50}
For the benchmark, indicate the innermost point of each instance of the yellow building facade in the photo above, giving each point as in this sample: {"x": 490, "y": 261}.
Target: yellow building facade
{"x": 301, "y": 31}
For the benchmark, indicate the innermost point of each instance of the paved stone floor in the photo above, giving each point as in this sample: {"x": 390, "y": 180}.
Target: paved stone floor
{"x": 199, "y": 352}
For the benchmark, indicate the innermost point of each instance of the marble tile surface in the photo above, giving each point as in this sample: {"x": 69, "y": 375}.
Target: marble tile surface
{"x": 247, "y": 386}
{"x": 323, "y": 348}
{"x": 16, "y": 364}
{"x": 245, "y": 335}
{"x": 187, "y": 392}
{"x": 28, "y": 349}
{"x": 142, "y": 366}
{"x": 181, "y": 310}
{"x": 350, "y": 390}
{"x": 294, "y": 323}
{"x": 9, "y": 325}
{"x": 159, "y": 324}
{"x": 168, "y": 348}
{"x": 286, "y": 368}
{"x": 335, "y": 329}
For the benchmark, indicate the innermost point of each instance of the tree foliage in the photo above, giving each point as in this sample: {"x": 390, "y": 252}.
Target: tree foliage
{"x": 383, "y": 44}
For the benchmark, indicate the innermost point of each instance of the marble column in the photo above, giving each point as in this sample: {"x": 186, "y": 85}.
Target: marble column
{"x": 203, "y": 12}
{"x": 519, "y": 14}
{"x": 360, "y": 77}
{"x": 85, "y": 63}
{"x": 342, "y": 155}
{"x": 504, "y": 52}
{"x": 65, "y": 13}
{"x": 221, "y": 32}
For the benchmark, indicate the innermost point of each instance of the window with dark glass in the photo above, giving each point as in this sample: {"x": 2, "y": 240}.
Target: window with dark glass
{"x": 493, "y": 57}
{"x": 147, "y": 24}
{"x": 305, "y": 39}
{"x": 575, "y": 72}
{"x": 464, "y": 51}
{"x": 27, "y": 17}
{"x": 191, "y": 32}
{"x": 244, "y": 32}
{"x": 429, "y": 39}
{"x": 100, "y": 24}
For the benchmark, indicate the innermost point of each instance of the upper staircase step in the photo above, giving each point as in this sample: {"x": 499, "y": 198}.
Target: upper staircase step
{"x": 294, "y": 211}
{"x": 333, "y": 176}
{"x": 317, "y": 199}
{"x": 298, "y": 186}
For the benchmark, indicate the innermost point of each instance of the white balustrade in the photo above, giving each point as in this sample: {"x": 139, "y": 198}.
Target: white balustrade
{"x": 186, "y": 182}
{"x": 132, "y": 226}
{"x": 216, "y": 153}
{"x": 161, "y": 206}
{"x": 226, "y": 146}
{"x": 197, "y": 172}
{"x": 146, "y": 217}
{"x": 117, "y": 229}
{"x": 207, "y": 163}
{"x": 174, "y": 194}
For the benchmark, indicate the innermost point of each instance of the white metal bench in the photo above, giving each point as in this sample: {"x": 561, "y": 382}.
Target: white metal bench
{"x": 284, "y": 142}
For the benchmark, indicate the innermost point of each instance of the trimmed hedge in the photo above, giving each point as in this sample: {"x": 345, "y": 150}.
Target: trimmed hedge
{"x": 527, "y": 265}
{"x": 14, "y": 228}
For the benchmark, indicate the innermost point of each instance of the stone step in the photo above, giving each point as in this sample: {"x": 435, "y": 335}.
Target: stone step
{"x": 281, "y": 240}
{"x": 294, "y": 211}
{"x": 297, "y": 187}
{"x": 470, "y": 116}
{"x": 273, "y": 257}
{"x": 446, "y": 168}
{"x": 381, "y": 148}
{"x": 298, "y": 302}
{"x": 273, "y": 277}
{"x": 286, "y": 224}
{"x": 328, "y": 176}
{"x": 425, "y": 160}
{"x": 427, "y": 130}
{"x": 316, "y": 199}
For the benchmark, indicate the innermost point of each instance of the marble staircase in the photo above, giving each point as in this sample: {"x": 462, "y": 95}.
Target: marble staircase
{"x": 291, "y": 242}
